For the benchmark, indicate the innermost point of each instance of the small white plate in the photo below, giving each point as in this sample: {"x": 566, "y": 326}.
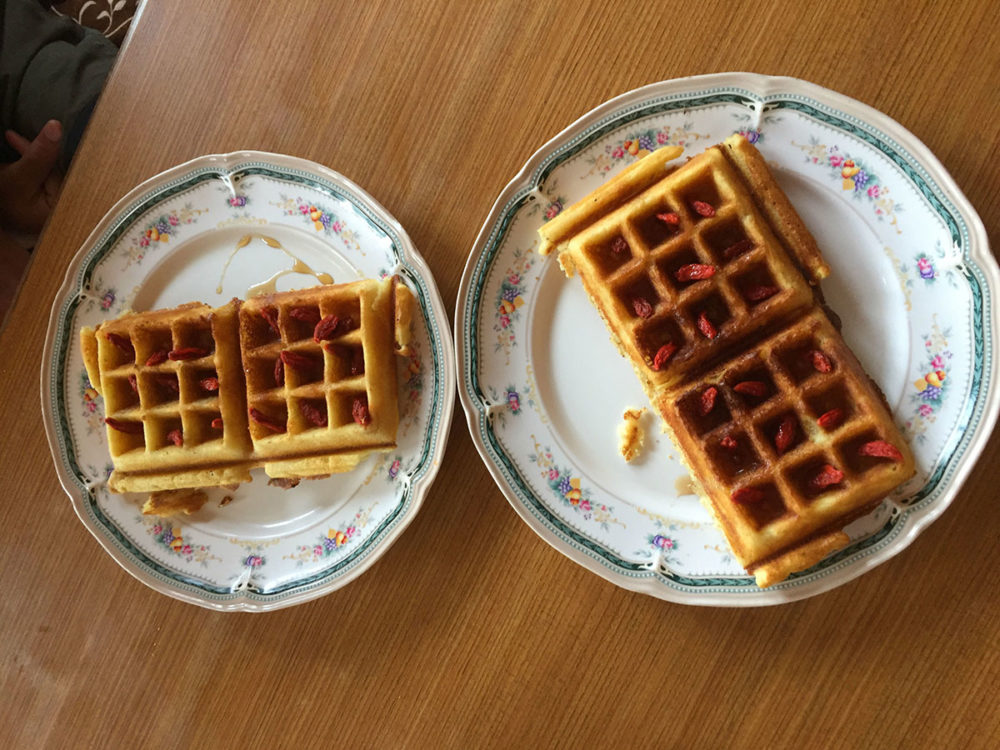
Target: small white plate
{"x": 544, "y": 388}
{"x": 168, "y": 242}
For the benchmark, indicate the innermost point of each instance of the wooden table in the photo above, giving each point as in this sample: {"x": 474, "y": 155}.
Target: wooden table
{"x": 471, "y": 631}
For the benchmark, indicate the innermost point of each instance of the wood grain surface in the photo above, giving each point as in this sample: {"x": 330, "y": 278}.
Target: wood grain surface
{"x": 471, "y": 631}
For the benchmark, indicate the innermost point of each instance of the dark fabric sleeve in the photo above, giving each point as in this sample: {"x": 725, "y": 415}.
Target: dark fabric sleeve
{"x": 50, "y": 68}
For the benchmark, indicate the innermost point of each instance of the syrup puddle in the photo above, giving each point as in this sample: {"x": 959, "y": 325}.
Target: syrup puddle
{"x": 684, "y": 485}
{"x": 271, "y": 285}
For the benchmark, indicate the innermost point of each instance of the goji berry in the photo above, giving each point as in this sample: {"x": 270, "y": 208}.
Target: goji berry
{"x": 754, "y": 388}
{"x": 326, "y": 328}
{"x": 785, "y": 435}
{"x": 187, "y": 352}
{"x": 175, "y": 437}
{"x": 169, "y": 382}
{"x": 312, "y": 414}
{"x": 669, "y": 218}
{"x": 121, "y": 342}
{"x": 694, "y": 272}
{"x": 708, "y": 400}
{"x": 729, "y": 443}
{"x": 708, "y": 330}
{"x": 131, "y": 428}
{"x": 641, "y": 307}
{"x": 619, "y": 246}
{"x": 745, "y": 495}
{"x": 759, "y": 293}
{"x": 209, "y": 384}
{"x": 308, "y": 315}
{"x": 264, "y": 421}
{"x": 880, "y": 449}
{"x": 157, "y": 358}
{"x": 360, "y": 411}
{"x": 828, "y": 476}
{"x": 663, "y": 354}
{"x": 703, "y": 209}
{"x": 271, "y": 316}
{"x": 133, "y": 384}
{"x": 217, "y": 423}
{"x": 279, "y": 372}
{"x": 297, "y": 361}
{"x": 737, "y": 248}
{"x": 831, "y": 419}
{"x": 820, "y": 362}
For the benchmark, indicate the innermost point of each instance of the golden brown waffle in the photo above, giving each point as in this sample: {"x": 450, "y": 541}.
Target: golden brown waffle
{"x": 321, "y": 376}
{"x": 687, "y": 270}
{"x": 190, "y": 393}
{"x": 172, "y": 383}
{"x": 704, "y": 275}
{"x": 775, "y": 438}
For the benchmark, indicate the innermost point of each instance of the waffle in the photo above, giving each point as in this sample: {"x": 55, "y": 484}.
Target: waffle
{"x": 191, "y": 399}
{"x": 690, "y": 267}
{"x": 320, "y": 400}
{"x": 172, "y": 382}
{"x": 708, "y": 280}
{"x": 774, "y": 436}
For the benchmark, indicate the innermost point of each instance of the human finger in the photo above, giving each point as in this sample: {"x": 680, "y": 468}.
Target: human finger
{"x": 17, "y": 141}
{"x": 39, "y": 158}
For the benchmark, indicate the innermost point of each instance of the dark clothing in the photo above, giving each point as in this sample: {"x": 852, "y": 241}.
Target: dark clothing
{"x": 51, "y": 68}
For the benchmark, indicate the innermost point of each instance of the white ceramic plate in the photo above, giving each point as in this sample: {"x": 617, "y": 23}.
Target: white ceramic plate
{"x": 544, "y": 388}
{"x": 168, "y": 242}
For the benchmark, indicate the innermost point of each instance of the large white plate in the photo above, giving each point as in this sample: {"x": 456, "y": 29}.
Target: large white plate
{"x": 168, "y": 242}
{"x": 544, "y": 388}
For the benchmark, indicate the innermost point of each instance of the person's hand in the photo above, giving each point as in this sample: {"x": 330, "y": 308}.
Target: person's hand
{"x": 29, "y": 187}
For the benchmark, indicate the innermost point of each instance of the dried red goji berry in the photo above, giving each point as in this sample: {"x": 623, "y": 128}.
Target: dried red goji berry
{"x": 297, "y": 361}
{"x": 360, "y": 411}
{"x": 820, "y": 362}
{"x": 132, "y": 428}
{"x": 831, "y": 419}
{"x": 745, "y": 495}
{"x": 175, "y": 437}
{"x": 264, "y": 421}
{"x": 642, "y": 308}
{"x": 121, "y": 342}
{"x": 669, "y": 218}
{"x": 664, "y": 353}
{"x": 708, "y": 400}
{"x": 279, "y": 372}
{"x": 326, "y": 328}
{"x": 133, "y": 384}
{"x": 619, "y": 246}
{"x": 308, "y": 315}
{"x": 754, "y": 388}
{"x": 880, "y": 449}
{"x": 169, "y": 382}
{"x": 187, "y": 352}
{"x": 729, "y": 443}
{"x": 785, "y": 435}
{"x": 209, "y": 384}
{"x": 737, "y": 248}
{"x": 694, "y": 272}
{"x": 157, "y": 358}
{"x": 703, "y": 209}
{"x": 759, "y": 293}
{"x": 312, "y": 414}
{"x": 217, "y": 423}
{"x": 708, "y": 330}
{"x": 271, "y": 316}
{"x": 828, "y": 476}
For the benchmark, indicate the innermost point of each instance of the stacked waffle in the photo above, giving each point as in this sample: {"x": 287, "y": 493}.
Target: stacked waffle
{"x": 707, "y": 280}
{"x": 302, "y": 383}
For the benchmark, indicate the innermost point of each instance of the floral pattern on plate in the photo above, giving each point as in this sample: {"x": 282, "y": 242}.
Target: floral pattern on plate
{"x": 252, "y": 548}
{"x": 850, "y": 171}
